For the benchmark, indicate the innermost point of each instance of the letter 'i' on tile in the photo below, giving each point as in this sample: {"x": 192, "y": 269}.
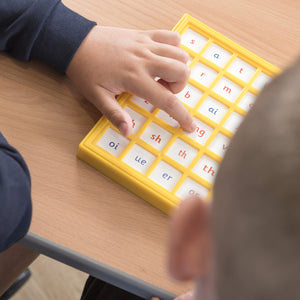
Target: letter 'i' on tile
{"x": 182, "y": 152}
{"x": 220, "y": 144}
{"x": 203, "y": 74}
{"x": 213, "y": 109}
{"x": 167, "y": 118}
{"x": 191, "y": 188}
{"x": 227, "y": 89}
{"x": 113, "y": 142}
{"x": 137, "y": 119}
{"x": 193, "y": 40}
{"x": 261, "y": 80}
{"x": 139, "y": 158}
{"x": 145, "y": 104}
{"x": 247, "y": 101}
{"x": 206, "y": 168}
{"x": 165, "y": 175}
{"x": 201, "y": 133}
{"x": 241, "y": 69}
{"x": 156, "y": 136}
{"x": 233, "y": 122}
{"x": 190, "y": 95}
{"x": 217, "y": 55}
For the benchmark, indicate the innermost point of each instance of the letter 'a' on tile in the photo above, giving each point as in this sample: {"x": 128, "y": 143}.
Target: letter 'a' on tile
{"x": 233, "y": 122}
{"x": 167, "y": 118}
{"x": 139, "y": 158}
{"x": 156, "y": 136}
{"x": 247, "y": 101}
{"x": 190, "y": 95}
{"x": 213, "y": 109}
{"x": 206, "y": 168}
{"x": 203, "y": 74}
{"x": 145, "y": 104}
{"x": 227, "y": 89}
{"x": 137, "y": 119}
{"x": 193, "y": 40}
{"x": 165, "y": 175}
{"x": 217, "y": 55}
{"x": 261, "y": 80}
{"x": 113, "y": 142}
{"x": 242, "y": 70}
{"x": 220, "y": 144}
{"x": 182, "y": 152}
{"x": 201, "y": 133}
{"x": 191, "y": 188}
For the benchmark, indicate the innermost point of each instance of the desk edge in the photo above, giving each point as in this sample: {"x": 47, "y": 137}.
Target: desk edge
{"x": 93, "y": 267}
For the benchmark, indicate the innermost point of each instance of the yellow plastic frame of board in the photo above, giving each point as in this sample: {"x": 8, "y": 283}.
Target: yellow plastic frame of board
{"x": 128, "y": 177}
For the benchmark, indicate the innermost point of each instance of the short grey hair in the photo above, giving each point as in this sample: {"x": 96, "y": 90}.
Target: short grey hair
{"x": 256, "y": 206}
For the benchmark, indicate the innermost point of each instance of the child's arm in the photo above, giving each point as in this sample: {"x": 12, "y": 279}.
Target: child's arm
{"x": 109, "y": 60}
{"x": 15, "y": 198}
{"x": 43, "y": 30}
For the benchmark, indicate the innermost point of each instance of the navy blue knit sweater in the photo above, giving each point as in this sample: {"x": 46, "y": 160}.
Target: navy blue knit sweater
{"x": 47, "y": 31}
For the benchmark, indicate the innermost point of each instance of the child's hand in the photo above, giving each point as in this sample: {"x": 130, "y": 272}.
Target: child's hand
{"x": 113, "y": 60}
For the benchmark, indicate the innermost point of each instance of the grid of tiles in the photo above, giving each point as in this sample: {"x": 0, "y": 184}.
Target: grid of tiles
{"x": 161, "y": 163}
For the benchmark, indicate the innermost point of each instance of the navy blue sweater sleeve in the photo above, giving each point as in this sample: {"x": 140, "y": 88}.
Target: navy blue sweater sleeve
{"x": 44, "y": 30}
{"x": 15, "y": 196}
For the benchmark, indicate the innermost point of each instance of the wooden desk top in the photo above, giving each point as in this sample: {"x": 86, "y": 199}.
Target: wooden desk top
{"x": 43, "y": 116}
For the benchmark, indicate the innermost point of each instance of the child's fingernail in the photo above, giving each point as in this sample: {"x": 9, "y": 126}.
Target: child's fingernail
{"x": 193, "y": 126}
{"x": 123, "y": 127}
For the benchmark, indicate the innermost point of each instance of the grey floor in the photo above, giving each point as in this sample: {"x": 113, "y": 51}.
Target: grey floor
{"x": 52, "y": 280}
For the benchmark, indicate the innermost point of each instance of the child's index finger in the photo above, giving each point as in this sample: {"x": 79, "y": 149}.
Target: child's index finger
{"x": 164, "y": 99}
{"x": 165, "y": 36}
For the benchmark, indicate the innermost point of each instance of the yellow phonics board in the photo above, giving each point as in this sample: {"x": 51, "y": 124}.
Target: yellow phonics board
{"x": 160, "y": 162}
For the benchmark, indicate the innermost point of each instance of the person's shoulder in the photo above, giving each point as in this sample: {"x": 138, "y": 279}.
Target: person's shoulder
{"x": 15, "y": 195}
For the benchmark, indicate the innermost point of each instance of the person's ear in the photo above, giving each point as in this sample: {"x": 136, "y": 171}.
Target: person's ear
{"x": 190, "y": 240}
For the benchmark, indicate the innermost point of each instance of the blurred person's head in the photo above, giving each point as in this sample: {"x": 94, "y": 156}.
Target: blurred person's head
{"x": 246, "y": 245}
